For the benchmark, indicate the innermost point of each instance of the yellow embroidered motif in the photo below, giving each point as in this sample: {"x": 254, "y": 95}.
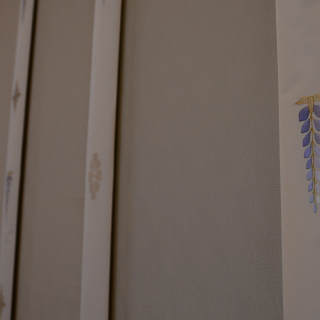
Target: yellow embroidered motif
{"x": 306, "y": 99}
{"x": 95, "y": 175}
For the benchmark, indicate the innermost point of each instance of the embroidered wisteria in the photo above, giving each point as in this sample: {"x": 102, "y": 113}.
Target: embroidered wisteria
{"x": 311, "y": 140}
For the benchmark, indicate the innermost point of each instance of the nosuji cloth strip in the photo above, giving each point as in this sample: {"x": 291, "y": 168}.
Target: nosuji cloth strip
{"x": 299, "y": 87}
{"x": 14, "y": 157}
{"x": 100, "y": 161}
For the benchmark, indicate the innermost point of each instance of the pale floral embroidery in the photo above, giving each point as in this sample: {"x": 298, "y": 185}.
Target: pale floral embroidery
{"x": 7, "y": 191}
{"x": 16, "y": 96}
{"x": 95, "y": 175}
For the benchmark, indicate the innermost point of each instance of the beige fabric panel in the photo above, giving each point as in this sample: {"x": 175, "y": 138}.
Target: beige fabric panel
{"x": 98, "y": 204}
{"x": 52, "y": 225}
{"x": 298, "y": 60}
{"x": 9, "y": 19}
{"x": 198, "y": 185}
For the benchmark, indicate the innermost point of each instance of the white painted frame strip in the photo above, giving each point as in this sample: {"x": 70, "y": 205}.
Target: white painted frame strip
{"x": 100, "y": 161}
{"x": 14, "y": 157}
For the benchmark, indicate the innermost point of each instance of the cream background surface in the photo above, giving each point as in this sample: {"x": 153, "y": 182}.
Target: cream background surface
{"x": 198, "y": 181}
{"x": 299, "y": 62}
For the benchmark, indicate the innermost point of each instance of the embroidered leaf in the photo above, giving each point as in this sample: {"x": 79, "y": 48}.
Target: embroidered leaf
{"x": 316, "y": 97}
{"x": 303, "y": 100}
{"x": 309, "y": 163}
{"x": 304, "y": 114}
{"x": 318, "y": 175}
{"x": 311, "y": 198}
{"x": 317, "y": 124}
{"x": 306, "y": 140}
{"x": 316, "y": 110}
{"x": 310, "y": 186}
{"x": 309, "y": 174}
{"x": 307, "y": 152}
{"x": 306, "y": 126}
{"x": 314, "y": 208}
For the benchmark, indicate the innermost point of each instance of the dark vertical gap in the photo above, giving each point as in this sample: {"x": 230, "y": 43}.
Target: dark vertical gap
{"x": 23, "y": 162}
{"x": 115, "y": 169}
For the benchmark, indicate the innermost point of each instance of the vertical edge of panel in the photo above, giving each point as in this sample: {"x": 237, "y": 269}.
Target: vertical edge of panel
{"x": 14, "y": 158}
{"x": 100, "y": 161}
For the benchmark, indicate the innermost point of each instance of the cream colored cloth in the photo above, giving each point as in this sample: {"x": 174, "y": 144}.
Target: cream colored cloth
{"x": 299, "y": 65}
{"x": 100, "y": 159}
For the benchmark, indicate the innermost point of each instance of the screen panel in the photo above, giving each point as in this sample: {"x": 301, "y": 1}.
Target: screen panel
{"x": 50, "y": 259}
{"x": 197, "y": 229}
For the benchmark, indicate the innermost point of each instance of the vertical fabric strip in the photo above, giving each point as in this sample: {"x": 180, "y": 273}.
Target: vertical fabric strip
{"x": 100, "y": 161}
{"x": 299, "y": 88}
{"x": 14, "y": 157}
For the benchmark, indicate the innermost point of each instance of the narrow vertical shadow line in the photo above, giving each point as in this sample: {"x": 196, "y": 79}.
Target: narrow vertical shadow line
{"x": 117, "y": 141}
{"x": 23, "y": 163}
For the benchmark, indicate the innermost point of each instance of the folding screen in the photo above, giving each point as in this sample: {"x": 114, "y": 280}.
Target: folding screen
{"x": 197, "y": 230}
{"x": 50, "y": 255}
{"x": 197, "y": 188}
{"x": 49, "y": 262}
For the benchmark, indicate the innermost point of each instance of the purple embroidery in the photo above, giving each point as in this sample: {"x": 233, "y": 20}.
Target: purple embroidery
{"x": 311, "y": 141}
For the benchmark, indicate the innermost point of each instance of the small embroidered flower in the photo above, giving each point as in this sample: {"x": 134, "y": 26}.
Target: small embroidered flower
{"x": 2, "y": 304}
{"x": 16, "y": 96}
{"x": 7, "y": 191}
{"x": 95, "y": 175}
